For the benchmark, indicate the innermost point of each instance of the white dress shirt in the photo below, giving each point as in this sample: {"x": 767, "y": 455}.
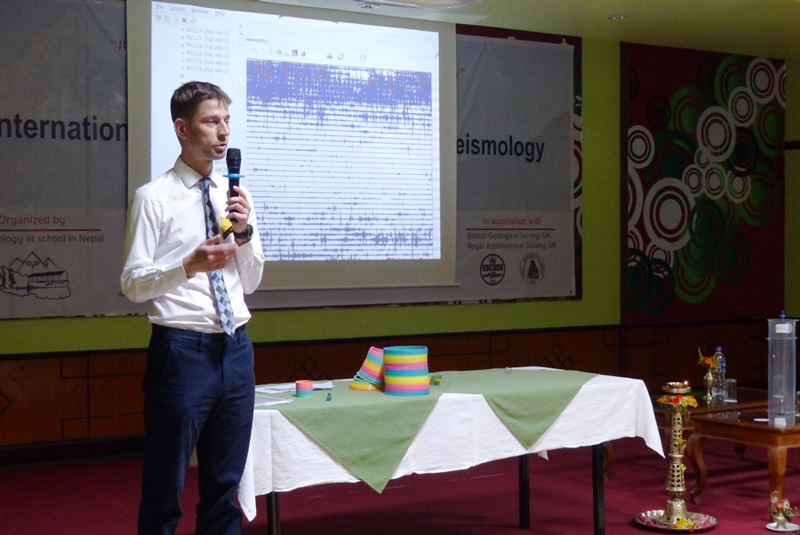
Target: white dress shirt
{"x": 165, "y": 223}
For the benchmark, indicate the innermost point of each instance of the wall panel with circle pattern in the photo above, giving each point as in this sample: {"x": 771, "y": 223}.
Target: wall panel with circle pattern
{"x": 703, "y": 185}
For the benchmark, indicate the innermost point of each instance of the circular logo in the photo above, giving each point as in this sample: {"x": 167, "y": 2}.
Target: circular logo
{"x": 531, "y": 268}
{"x": 493, "y": 269}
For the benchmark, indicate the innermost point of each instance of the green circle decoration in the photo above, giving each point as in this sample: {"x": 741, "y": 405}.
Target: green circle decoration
{"x": 662, "y": 287}
{"x": 694, "y": 282}
{"x": 672, "y": 153}
{"x": 706, "y": 225}
{"x": 744, "y": 157}
{"x": 764, "y": 200}
{"x": 686, "y": 105}
{"x": 734, "y": 258}
{"x": 732, "y": 73}
{"x": 651, "y": 284}
{"x": 769, "y": 128}
{"x": 639, "y": 274}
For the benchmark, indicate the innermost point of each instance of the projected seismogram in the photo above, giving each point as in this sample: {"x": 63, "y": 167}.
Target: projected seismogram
{"x": 342, "y": 162}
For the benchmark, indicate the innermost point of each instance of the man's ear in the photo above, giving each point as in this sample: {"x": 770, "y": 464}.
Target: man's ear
{"x": 180, "y": 128}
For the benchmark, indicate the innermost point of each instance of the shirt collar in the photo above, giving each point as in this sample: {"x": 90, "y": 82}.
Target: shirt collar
{"x": 189, "y": 176}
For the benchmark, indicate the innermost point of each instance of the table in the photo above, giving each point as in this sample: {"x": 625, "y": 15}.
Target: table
{"x": 742, "y": 427}
{"x": 461, "y": 431}
{"x": 746, "y": 398}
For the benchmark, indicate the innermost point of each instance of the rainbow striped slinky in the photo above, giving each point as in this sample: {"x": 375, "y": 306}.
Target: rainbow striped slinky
{"x": 406, "y": 370}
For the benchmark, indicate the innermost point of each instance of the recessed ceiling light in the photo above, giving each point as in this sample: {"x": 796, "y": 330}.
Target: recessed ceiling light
{"x": 368, "y": 6}
{"x": 615, "y": 16}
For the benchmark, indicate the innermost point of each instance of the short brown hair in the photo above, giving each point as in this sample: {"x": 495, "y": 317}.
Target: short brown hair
{"x": 188, "y": 97}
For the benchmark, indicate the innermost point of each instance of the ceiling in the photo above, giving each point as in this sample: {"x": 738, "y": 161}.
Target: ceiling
{"x": 768, "y": 28}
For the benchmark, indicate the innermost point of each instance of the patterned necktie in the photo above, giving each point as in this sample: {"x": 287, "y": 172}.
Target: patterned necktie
{"x": 217, "y": 282}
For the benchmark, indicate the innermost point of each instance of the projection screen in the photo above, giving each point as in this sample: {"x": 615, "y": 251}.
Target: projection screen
{"x": 346, "y": 123}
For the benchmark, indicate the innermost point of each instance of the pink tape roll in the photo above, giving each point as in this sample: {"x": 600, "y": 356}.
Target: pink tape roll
{"x": 304, "y": 388}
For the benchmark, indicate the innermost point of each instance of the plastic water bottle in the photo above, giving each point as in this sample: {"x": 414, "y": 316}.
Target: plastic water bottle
{"x": 718, "y": 389}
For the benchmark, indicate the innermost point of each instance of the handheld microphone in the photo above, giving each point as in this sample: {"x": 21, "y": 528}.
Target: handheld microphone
{"x": 234, "y": 160}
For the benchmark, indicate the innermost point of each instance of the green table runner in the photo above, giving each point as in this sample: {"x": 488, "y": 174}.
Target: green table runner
{"x": 527, "y": 401}
{"x": 367, "y": 431}
{"x": 370, "y": 432}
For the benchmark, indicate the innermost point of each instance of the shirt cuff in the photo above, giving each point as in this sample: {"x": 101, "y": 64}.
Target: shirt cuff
{"x": 245, "y": 251}
{"x": 175, "y": 272}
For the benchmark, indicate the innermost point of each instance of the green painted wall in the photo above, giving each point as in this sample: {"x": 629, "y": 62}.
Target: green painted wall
{"x": 599, "y": 306}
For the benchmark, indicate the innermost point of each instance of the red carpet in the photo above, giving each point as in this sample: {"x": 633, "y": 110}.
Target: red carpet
{"x": 101, "y": 497}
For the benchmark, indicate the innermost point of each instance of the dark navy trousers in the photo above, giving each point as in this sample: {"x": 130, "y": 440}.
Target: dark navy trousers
{"x": 199, "y": 392}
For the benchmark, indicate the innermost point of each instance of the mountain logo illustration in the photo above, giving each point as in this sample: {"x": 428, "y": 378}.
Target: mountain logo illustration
{"x": 42, "y": 279}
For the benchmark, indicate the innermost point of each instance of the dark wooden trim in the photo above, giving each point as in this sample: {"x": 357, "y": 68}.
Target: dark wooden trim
{"x": 624, "y": 96}
{"x": 792, "y": 145}
{"x": 78, "y": 450}
{"x": 624, "y": 90}
{"x": 373, "y": 340}
{"x": 653, "y": 353}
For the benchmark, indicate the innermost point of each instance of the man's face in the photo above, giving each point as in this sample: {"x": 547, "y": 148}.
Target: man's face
{"x": 205, "y": 136}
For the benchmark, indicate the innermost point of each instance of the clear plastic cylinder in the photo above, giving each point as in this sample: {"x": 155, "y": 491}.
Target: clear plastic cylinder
{"x": 782, "y": 368}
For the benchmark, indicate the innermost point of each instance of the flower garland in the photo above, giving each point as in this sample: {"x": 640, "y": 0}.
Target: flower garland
{"x": 680, "y": 399}
{"x": 696, "y": 522}
{"x": 709, "y": 362}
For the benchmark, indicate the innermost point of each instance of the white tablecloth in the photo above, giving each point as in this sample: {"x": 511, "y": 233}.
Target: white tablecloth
{"x": 461, "y": 431}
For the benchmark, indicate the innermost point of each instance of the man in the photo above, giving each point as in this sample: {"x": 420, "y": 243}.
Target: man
{"x": 199, "y": 384}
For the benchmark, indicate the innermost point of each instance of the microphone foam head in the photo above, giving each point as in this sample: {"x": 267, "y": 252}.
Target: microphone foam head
{"x": 234, "y": 160}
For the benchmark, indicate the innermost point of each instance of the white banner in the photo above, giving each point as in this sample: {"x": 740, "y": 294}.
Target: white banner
{"x": 515, "y": 212}
{"x": 63, "y": 141}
